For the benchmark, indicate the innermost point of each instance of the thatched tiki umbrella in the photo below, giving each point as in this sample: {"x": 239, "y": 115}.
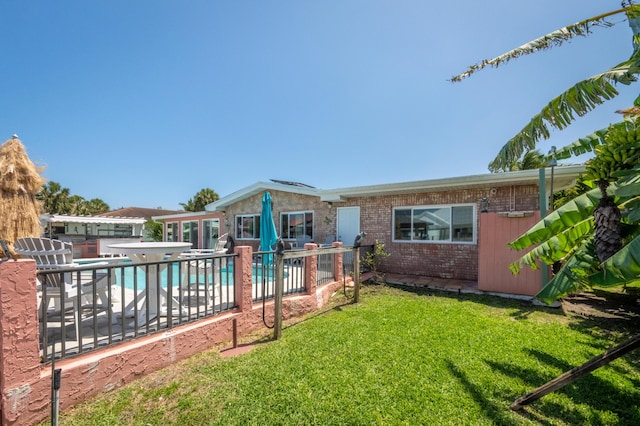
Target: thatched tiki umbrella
{"x": 20, "y": 181}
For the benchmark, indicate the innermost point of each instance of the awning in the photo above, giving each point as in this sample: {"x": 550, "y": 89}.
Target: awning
{"x": 49, "y": 218}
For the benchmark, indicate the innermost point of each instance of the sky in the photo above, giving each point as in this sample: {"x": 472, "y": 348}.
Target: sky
{"x": 144, "y": 103}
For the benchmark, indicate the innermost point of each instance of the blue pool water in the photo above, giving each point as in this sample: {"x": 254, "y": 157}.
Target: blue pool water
{"x": 226, "y": 276}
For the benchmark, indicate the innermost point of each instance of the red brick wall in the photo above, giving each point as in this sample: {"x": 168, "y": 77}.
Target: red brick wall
{"x": 448, "y": 260}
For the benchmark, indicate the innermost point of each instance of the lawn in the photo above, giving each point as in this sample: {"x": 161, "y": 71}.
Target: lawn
{"x": 399, "y": 357}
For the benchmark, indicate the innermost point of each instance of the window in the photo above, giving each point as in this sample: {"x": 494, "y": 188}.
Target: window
{"x": 434, "y": 223}
{"x": 248, "y": 227}
{"x": 190, "y": 233}
{"x": 210, "y": 233}
{"x": 296, "y": 225}
{"x": 172, "y": 231}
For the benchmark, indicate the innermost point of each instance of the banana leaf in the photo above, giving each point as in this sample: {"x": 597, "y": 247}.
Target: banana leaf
{"x": 624, "y": 265}
{"x": 571, "y": 277}
{"x": 558, "y": 221}
{"x": 557, "y": 247}
{"x": 582, "y": 145}
{"x": 559, "y": 113}
{"x": 555, "y": 38}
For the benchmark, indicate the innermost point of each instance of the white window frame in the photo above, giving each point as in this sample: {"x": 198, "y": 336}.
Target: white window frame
{"x": 474, "y": 224}
{"x": 210, "y": 227}
{"x": 175, "y": 231}
{"x": 256, "y": 226}
{"x": 302, "y": 212}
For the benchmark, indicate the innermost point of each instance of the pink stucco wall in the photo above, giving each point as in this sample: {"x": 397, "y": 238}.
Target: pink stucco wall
{"x": 25, "y": 383}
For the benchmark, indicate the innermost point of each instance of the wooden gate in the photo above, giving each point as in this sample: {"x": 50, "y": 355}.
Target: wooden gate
{"x": 494, "y": 256}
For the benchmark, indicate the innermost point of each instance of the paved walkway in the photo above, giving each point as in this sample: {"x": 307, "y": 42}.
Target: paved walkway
{"x": 444, "y": 284}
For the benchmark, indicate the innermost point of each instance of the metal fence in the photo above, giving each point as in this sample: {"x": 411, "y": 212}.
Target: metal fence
{"x": 264, "y": 275}
{"x": 97, "y": 304}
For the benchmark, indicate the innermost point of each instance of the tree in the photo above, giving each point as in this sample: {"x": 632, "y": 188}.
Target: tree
{"x": 96, "y": 206}
{"x": 532, "y": 159}
{"x": 200, "y": 200}
{"x": 55, "y": 198}
{"x": 594, "y": 239}
{"x": 154, "y": 230}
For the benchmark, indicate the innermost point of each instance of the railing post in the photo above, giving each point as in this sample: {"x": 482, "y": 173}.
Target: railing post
{"x": 310, "y": 270}
{"x": 277, "y": 308}
{"x": 337, "y": 262}
{"x": 356, "y": 274}
{"x": 242, "y": 277}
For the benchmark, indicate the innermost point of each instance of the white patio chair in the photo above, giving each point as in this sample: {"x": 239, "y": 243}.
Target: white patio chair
{"x": 222, "y": 242}
{"x": 62, "y": 288}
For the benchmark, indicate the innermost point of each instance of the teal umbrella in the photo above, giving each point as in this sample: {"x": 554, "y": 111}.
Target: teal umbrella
{"x": 268, "y": 233}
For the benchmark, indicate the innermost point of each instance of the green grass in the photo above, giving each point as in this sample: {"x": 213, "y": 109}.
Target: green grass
{"x": 396, "y": 358}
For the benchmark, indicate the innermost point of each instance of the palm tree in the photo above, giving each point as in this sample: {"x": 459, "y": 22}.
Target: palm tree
{"x": 532, "y": 159}
{"x": 200, "y": 200}
{"x": 54, "y": 198}
{"x": 585, "y": 233}
{"x": 96, "y": 206}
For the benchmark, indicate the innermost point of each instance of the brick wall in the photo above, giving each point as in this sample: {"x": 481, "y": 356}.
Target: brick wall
{"x": 444, "y": 260}
{"x": 324, "y": 218}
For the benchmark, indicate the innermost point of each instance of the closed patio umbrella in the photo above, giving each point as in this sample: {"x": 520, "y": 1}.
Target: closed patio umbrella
{"x": 268, "y": 233}
{"x": 20, "y": 181}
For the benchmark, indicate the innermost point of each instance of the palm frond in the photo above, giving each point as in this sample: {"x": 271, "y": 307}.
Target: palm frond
{"x": 555, "y": 38}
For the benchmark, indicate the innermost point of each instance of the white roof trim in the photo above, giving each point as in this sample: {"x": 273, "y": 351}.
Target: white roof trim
{"x": 256, "y": 188}
{"x": 564, "y": 177}
{"x": 46, "y": 218}
{"x": 182, "y": 215}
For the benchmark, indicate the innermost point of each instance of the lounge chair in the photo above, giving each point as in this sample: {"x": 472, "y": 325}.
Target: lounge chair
{"x": 62, "y": 287}
{"x": 300, "y": 242}
{"x": 222, "y": 242}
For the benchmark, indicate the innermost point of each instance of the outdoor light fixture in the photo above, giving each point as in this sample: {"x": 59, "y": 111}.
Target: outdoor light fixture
{"x": 484, "y": 205}
{"x": 329, "y": 205}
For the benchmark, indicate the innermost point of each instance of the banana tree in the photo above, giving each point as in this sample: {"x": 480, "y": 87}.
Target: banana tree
{"x": 593, "y": 235}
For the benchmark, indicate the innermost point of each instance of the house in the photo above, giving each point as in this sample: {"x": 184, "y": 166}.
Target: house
{"x": 91, "y": 235}
{"x": 201, "y": 229}
{"x": 455, "y": 228}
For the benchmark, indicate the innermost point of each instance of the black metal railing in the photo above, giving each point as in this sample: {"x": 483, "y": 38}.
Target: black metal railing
{"x": 92, "y": 305}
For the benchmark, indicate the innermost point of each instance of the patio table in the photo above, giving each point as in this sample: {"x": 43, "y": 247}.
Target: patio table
{"x": 151, "y": 252}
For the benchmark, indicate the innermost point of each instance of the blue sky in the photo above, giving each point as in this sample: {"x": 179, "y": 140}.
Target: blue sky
{"x": 144, "y": 103}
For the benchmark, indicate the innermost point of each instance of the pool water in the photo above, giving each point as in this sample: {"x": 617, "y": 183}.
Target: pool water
{"x": 226, "y": 276}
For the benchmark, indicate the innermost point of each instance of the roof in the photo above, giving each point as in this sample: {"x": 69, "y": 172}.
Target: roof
{"x": 259, "y": 187}
{"x": 564, "y": 177}
{"x": 138, "y": 212}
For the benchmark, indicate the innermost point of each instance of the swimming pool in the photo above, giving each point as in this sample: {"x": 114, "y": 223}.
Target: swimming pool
{"x": 127, "y": 274}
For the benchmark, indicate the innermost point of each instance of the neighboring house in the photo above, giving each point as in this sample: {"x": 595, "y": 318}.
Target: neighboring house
{"x": 456, "y": 228}
{"x": 91, "y": 235}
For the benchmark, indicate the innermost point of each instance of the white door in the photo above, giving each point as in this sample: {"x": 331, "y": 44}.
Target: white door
{"x": 348, "y": 224}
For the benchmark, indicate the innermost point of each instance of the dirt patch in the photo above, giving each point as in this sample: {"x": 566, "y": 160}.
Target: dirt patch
{"x": 607, "y": 306}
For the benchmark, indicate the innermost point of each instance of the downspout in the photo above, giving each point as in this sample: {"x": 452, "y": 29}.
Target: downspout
{"x": 544, "y": 276}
